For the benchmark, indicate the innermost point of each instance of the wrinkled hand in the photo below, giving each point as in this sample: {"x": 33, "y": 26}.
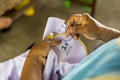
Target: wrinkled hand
{"x": 42, "y": 48}
{"x": 82, "y": 24}
{"x": 36, "y": 59}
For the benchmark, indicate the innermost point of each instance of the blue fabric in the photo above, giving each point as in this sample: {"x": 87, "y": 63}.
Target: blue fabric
{"x": 104, "y": 60}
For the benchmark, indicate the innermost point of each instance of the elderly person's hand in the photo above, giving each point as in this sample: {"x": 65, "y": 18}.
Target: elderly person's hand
{"x": 84, "y": 24}
{"x": 42, "y": 48}
{"x": 36, "y": 59}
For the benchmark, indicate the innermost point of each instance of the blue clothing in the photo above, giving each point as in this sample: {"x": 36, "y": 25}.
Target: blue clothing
{"x": 102, "y": 61}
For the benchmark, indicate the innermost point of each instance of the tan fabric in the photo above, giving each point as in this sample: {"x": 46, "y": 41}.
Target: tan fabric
{"x": 7, "y": 5}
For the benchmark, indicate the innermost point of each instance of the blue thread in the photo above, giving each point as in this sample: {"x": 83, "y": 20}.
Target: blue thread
{"x": 58, "y": 75}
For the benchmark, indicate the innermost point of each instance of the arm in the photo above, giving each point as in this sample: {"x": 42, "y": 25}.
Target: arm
{"x": 33, "y": 67}
{"x": 84, "y": 24}
{"x": 107, "y": 33}
{"x": 35, "y": 61}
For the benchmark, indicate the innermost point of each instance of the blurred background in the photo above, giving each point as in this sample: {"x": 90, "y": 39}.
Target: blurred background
{"x": 28, "y": 28}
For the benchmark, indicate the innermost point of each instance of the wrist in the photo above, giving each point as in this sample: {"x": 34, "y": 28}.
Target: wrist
{"x": 37, "y": 59}
{"x": 107, "y": 33}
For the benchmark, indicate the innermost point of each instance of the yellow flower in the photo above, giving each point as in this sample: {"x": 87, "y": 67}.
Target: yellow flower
{"x": 30, "y": 11}
{"x": 22, "y": 4}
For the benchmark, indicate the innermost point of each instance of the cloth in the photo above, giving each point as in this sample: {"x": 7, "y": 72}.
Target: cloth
{"x": 11, "y": 69}
{"x": 61, "y": 59}
{"x": 101, "y": 64}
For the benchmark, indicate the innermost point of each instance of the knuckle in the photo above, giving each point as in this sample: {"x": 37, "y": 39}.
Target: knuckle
{"x": 86, "y": 15}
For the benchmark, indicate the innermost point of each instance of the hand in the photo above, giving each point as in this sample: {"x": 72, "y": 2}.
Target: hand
{"x": 36, "y": 59}
{"x": 42, "y": 49}
{"x": 82, "y": 24}
{"x": 5, "y": 22}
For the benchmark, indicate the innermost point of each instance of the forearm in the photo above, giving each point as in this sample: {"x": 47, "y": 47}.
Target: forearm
{"x": 107, "y": 33}
{"x": 33, "y": 67}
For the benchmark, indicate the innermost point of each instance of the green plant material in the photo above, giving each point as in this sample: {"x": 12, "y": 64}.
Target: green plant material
{"x": 88, "y": 9}
{"x": 67, "y": 3}
{"x": 88, "y": 1}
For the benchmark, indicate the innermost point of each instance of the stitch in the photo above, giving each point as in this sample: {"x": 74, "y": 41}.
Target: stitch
{"x": 59, "y": 76}
{"x": 65, "y": 47}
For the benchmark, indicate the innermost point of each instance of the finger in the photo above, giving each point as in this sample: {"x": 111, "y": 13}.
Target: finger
{"x": 76, "y": 24}
{"x": 70, "y": 21}
{"x": 71, "y": 31}
{"x": 74, "y": 21}
{"x": 67, "y": 32}
{"x": 76, "y": 36}
{"x": 54, "y": 42}
{"x": 43, "y": 60}
{"x": 82, "y": 19}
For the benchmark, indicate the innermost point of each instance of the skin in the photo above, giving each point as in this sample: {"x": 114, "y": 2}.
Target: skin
{"x": 78, "y": 24}
{"x": 35, "y": 61}
{"x": 5, "y": 22}
{"x": 85, "y": 25}
{"x": 6, "y": 5}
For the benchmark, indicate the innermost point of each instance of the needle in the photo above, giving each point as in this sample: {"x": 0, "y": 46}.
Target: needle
{"x": 53, "y": 35}
{"x": 60, "y": 34}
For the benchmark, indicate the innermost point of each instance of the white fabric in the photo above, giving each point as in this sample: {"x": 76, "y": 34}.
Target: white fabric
{"x": 61, "y": 59}
{"x": 64, "y": 57}
{"x": 11, "y": 69}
